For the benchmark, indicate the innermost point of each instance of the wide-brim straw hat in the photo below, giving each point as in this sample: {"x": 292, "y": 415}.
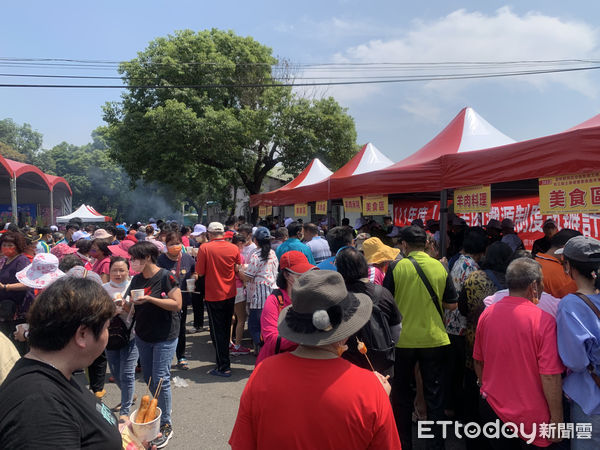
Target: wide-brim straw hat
{"x": 376, "y": 252}
{"x": 322, "y": 310}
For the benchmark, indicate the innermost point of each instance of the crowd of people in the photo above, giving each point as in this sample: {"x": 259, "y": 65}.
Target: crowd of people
{"x": 370, "y": 325}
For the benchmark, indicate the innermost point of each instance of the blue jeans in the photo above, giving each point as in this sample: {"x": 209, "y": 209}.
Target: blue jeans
{"x": 254, "y": 325}
{"x": 122, "y": 366}
{"x": 578, "y": 416}
{"x": 156, "y": 358}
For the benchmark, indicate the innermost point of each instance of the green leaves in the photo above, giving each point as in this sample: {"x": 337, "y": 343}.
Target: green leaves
{"x": 223, "y": 129}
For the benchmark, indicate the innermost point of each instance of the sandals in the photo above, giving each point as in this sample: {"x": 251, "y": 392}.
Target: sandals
{"x": 218, "y": 373}
{"x": 182, "y": 364}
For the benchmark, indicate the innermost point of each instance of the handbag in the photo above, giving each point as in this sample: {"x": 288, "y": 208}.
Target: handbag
{"x": 119, "y": 334}
{"x": 590, "y": 368}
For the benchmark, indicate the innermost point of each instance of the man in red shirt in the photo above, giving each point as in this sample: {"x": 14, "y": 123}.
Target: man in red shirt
{"x": 517, "y": 362}
{"x": 218, "y": 261}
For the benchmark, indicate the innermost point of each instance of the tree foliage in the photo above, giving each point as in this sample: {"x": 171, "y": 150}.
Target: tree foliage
{"x": 97, "y": 180}
{"x": 199, "y": 139}
{"x": 21, "y": 142}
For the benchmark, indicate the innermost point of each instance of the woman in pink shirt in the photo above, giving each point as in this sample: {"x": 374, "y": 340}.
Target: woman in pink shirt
{"x": 102, "y": 254}
{"x": 291, "y": 266}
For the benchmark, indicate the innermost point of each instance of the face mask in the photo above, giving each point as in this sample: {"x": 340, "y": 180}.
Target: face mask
{"x": 174, "y": 250}
{"x": 138, "y": 266}
{"x": 119, "y": 285}
{"x": 9, "y": 252}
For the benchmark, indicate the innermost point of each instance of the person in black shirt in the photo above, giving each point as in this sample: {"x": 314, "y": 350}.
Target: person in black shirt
{"x": 182, "y": 266}
{"x": 542, "y": 245}
{"x": 42, "y": 405}
{"x": 156, "y": 325}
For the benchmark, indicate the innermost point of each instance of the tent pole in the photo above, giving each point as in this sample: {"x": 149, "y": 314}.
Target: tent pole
{"x": 443, "y": 221}
{"x": 51, "y": 206}
{"x": 13, "y": 200}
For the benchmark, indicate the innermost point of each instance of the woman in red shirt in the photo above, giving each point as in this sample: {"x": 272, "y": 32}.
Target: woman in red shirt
{"x": 312, "y": 398}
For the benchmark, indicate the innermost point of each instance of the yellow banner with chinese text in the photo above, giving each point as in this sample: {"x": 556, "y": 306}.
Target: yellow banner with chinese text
{"x": 375, "y": 205}
{"x": 577, "y": 193}
{"x": 301, "y": 210}
{"x": 352, "y": 204}
{"x": 264, "y": 211}
{"x": 472, "y": 199}
{"x": 321, "y": 207}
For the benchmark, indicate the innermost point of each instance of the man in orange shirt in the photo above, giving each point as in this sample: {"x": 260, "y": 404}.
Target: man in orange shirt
{"x": 218, "y": 261}
{"x": 556, "y": 282}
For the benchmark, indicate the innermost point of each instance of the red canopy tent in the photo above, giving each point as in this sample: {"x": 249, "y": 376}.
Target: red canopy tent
{"x": 422, "y": 171}
{"x": 368, "y": 159}
{"x": 312, "y": 174}
{"x": 573, "y": 151}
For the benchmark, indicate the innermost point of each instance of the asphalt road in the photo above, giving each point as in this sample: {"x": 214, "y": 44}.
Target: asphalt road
{"x": 205, "y": 411}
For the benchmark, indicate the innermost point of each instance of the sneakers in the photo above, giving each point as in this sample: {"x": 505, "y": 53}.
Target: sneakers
{"x": 231, "y": 346}
{"x": 167, "y": 432}
{"x": 239, "y": 350}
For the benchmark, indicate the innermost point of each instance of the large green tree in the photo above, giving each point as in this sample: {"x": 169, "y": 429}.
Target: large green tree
{"x": 24, "y": 142}
{"x": 229, "y": 128}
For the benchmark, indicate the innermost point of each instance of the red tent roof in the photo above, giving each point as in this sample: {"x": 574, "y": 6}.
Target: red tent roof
{"x": 421, "y": 171}
{"x": 54, "y": 180}
{"x": 367, "y": 159}
{"x": 17, "y": 168}
{"x": 312, "y": 174}
{"x": 572, "y": 151}
{"x": 590, "y": 123}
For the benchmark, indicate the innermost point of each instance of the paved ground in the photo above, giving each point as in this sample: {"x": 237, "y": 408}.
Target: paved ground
{"x": 205, "y": 411}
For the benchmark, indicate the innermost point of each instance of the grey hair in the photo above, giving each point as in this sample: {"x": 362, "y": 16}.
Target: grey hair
{"x": 521, "y": 273}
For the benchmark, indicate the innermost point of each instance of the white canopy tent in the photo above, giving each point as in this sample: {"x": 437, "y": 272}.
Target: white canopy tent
{"x": 86, "y": 214}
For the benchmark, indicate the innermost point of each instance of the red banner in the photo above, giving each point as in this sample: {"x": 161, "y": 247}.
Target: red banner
{"x": 524, "y": 212}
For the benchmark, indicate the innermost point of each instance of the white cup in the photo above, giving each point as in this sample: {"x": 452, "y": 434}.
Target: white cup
{"x": 191, "y": 284}
{"x": 146, "y": 431}
{"x": 136, "y": 294}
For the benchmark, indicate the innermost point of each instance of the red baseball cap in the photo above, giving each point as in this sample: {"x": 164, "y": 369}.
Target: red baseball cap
{"x": 295, "y": 261}
{"x": 229, "y": 235}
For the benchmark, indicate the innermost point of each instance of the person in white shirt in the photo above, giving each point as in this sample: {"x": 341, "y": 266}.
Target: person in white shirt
{"x": 122, "y": 361}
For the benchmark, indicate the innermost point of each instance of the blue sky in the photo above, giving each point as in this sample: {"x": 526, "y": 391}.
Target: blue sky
{"x": 397, "y": 118}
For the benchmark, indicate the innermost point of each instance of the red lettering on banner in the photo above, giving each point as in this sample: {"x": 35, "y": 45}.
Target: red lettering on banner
{"x": 368, "y": 206}
{"x": 459, "y": 200}
{"x": 475, "y": 200}
{"x": 381, "y": 206}
{"x": 483, "y": 199}
{"x": 467, "y": 201}
{"x": 557, "y": 199}
{"x": 595, "y": 197}
{"x": 577, "y": 197}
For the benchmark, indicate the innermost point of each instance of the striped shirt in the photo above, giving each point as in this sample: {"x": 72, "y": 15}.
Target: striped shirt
{"x": 319, "y": 248}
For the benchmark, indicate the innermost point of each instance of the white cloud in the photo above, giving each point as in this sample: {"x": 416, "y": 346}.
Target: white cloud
{"x": 473, "y": 37}
{"x": 422, "y": 109}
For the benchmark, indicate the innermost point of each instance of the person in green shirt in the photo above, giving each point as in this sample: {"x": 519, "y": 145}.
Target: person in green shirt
{"x": 423, "y": 338}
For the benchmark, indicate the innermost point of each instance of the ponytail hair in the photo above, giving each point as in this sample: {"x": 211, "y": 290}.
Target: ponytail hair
{"x": 265, "y": 248}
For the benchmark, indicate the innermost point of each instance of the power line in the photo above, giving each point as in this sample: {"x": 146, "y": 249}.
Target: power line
{"x": 293, "y": 84}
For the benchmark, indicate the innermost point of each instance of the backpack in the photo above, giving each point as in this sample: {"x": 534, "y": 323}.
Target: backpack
{"x": 378, "y": 339}
{"x": 119, "y": 334}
